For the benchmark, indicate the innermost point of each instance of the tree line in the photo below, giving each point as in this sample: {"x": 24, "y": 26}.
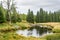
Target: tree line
{"x": 43, "y": 16}
{"x": 10, "y": 15}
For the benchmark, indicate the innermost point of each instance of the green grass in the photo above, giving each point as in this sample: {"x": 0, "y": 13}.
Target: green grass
{"x": 23, "y": 25}
{"x": 55, "y": 36}
{"x": 11, "y": 35}
{"x": 13, "y": 26}
{"x": 56, "y": 30}
{"x": 6, "y": 27}
{"x": 14, "y": 36}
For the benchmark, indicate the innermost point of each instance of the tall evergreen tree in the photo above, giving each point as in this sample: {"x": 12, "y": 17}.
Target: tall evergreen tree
{"x": 23, "y": 16}
{"x": 45, "y": 16}
{"x": 14, "y": 16}
{"x": 14, "y": 13}
{"x": 50, "y": 16}
{"x": 30, "y": 17}
{"x": 54, "y": 16}
{"x": 19, "y": 18}
{"x": 37, "y": 19}
{"x": 41, "y": 15}
{"x": 58, "y": 16}
{"x": 2, "y": 16}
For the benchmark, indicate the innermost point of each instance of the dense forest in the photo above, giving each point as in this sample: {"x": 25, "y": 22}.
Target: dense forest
{"x": 10, "y": 14}
{"x": 41, "y": 16}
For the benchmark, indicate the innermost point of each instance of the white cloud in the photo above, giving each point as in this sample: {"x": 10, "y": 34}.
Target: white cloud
{"x": 36, "y": 4}
{"x": 24, "y": 5}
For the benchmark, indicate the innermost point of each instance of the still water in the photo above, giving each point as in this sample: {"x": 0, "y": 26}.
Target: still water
{"x": 34, "y": 32}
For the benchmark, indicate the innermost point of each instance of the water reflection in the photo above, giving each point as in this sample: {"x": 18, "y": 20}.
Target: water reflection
{"x": 33, "y": 33}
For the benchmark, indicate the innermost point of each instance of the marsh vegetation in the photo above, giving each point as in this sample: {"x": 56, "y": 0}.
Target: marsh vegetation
{"x": 15, "y": 26}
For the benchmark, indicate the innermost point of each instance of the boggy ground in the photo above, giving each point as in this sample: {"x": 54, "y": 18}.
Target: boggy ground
{"x": 11, "y": 35}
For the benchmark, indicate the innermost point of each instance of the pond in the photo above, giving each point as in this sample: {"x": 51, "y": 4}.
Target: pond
{"x": 35, "y": 31}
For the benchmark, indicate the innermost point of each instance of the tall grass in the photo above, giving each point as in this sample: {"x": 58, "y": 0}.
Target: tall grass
{"x": 11, "y": 35}
{"x": 56, "y": 30}
{"x": 14, "y": 36}
{"x": 7, "y": 27}
{"x": 55, "y": 36}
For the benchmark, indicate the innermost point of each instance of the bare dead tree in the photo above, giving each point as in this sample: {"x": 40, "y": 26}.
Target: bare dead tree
{"x": 8, "y": 17}
{"x": 9, "y": 4}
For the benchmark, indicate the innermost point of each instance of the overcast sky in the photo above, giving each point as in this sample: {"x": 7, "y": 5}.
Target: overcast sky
{"x": 48, "y": 5}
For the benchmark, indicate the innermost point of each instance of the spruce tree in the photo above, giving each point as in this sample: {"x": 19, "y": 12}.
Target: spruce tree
{"x": 37, "y": 19}
{"x": 30, "y": 17}
{"x": 45, "y": 16}
{"x": 2, "y": 17}
{"x": 14, "y": 13}
{"x": 41, "y": 15}
{"x": 19, "y": 18}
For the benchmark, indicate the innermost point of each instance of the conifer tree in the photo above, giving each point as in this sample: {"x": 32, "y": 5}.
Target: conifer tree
{"x": 37, "y": 19}
{"x": 30, "y": 17}
{"x": 2, "y": 16}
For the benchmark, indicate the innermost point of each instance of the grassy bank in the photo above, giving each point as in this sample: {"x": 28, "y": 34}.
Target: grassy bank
{"x": 14, "y": 36}
{"x": 55, "y": 25}
{"x": 8, "y": 27}
{"x": 9, "y": 31}
{"x": 55, "y": 36}
{"x": 13, "y": 26}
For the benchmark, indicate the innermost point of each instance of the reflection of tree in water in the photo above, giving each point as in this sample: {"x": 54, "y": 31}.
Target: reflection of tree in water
{"x": 41, "y": 30}
{"x": 29, "y": 33}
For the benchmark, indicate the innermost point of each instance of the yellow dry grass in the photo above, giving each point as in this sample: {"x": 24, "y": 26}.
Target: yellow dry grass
{"x": 56, "y": 25}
